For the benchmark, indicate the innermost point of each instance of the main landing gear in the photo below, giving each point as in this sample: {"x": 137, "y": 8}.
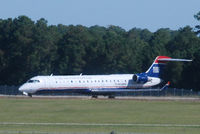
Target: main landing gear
{"x": 109, "y": 97}
{"x": 30, "y": 95}
{"x": 94, "y": 96}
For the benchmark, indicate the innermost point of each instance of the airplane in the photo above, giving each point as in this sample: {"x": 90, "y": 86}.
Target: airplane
{"x": 95, "y": 85}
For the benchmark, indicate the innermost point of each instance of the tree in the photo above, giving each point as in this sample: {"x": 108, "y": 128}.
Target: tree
{"x": 184, "y": 45}
{"x": 191, "y": 73}
{"x": 71, "y": 50}
{"x": 15, "y": 43}
{"x": 29, "y": 48}
{"x": 197, "y": 17}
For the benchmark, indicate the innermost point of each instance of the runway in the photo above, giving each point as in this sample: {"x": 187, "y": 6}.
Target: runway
{"x": 101, "y": 124}
{"x": 142, "y": 98}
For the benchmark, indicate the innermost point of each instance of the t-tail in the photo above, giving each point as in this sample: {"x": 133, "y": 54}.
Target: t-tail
{"x": 158, "y": 65}
{"x": 156, "y": 68}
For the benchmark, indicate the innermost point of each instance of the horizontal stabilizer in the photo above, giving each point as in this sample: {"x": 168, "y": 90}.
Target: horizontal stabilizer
{"x": 168, "y": 59}
{"x": 165, "y": 86}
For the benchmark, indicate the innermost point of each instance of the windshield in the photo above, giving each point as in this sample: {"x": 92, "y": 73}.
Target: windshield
{"x": 33, "y": 81}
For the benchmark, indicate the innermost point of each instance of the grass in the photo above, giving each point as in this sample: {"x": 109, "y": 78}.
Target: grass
{"x": 99, "y": 111}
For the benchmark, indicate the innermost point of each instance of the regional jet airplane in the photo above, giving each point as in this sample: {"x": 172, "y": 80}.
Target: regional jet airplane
{"x": 95, "y": 85}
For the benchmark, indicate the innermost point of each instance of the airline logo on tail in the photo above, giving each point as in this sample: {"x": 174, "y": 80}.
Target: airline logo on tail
{"x": 155, "y": 69}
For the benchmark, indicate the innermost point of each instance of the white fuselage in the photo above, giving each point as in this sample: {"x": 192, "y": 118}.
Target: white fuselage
{"x": 89, "y": 82}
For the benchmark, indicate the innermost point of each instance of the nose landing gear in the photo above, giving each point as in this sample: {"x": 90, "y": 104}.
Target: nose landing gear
{"x": 27, "y": 94}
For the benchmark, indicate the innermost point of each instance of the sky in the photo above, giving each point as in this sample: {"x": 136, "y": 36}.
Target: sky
{"x": 128, "y": 14}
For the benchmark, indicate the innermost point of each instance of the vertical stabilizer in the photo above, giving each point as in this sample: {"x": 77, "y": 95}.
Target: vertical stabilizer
{"x": 158, "y": 65}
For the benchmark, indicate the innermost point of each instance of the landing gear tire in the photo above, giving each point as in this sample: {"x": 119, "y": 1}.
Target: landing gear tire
{"x": 30, "y": 95}
{"x": 111, "y": 96}
{"x": 94, "y": 96}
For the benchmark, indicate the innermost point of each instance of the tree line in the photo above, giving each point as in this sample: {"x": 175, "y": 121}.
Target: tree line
{"x": 29, "y": 48}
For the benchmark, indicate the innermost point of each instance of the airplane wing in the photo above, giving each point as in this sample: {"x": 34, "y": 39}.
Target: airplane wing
{"x": 109, "y": 90}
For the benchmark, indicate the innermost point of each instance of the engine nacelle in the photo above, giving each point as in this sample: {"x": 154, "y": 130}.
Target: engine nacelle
{"x": 140, "y": 78}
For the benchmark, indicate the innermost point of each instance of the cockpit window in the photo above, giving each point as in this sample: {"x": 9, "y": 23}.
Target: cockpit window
{"x": 33, "y": 81}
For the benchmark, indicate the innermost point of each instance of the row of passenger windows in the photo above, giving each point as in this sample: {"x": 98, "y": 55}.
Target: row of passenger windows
{"x": 33, "y": 81}
{"x": 90, "y": 81}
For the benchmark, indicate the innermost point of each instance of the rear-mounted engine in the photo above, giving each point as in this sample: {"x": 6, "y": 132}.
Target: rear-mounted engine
{"x": 140, "y": 78}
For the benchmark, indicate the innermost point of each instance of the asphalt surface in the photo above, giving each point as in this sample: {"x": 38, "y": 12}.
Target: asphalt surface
{"x": 145, "y": 98}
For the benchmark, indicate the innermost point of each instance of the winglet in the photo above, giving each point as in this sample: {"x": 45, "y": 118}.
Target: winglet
{"x": 165, "y": 86}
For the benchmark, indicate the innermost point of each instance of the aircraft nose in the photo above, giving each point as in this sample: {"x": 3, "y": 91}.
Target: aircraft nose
{"x": 21, "y": 88}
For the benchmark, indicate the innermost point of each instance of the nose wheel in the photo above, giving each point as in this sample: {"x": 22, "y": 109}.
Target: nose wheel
{"x": 27, "y": 94}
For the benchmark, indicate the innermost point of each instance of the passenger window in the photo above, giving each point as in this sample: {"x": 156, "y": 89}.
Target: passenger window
{"x": 30, "y": 81}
